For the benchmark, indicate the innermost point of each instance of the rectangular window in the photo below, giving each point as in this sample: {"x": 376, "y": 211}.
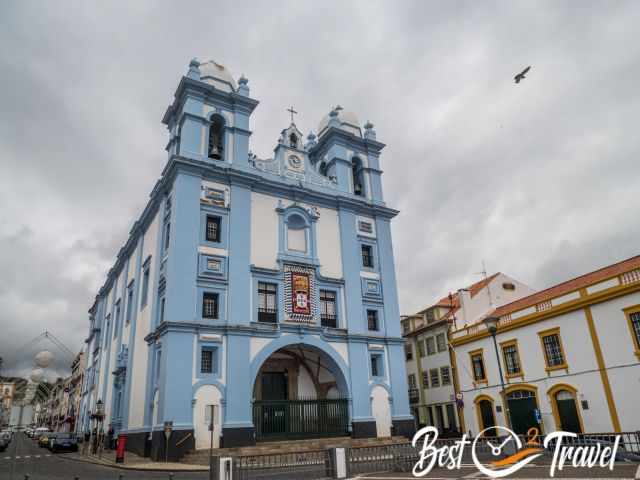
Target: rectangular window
{"x": 421, "y": 348}
{"x": 430, "y": 316}
{"x": 434, "y": 377}
{"x": 267, "y": 302}
{"x": 431, "y": 346}
{"x": 208, "y": 360}
{"x": 477, "y": 367}
{"x": 213, "y": 229}
{"x": 412, "y": 381}
{"x": 367, "y": 256}
{"x": 442, "y": 342}
{"x": 445, "y": 374}
{"x": 376, "y": 367}
{"x": 372, "y": 320}
{"x": 167, "y": 236}
{"x": 145, "y": 284}
{"x": 425, "y": 379}
{"x": 633, "y": 319}
{"x": 116, "y": 323}
{"x": 408, "y": 351}
{"x": 552, "y": 348}
{"x": 129, "y": 303}
{"x": 406, "y": 327}
{"x": 210, "y": 305}
{"x": 162, "y": 302}
{"x": 328, "y": 312}
{"x": 511, "y": 358}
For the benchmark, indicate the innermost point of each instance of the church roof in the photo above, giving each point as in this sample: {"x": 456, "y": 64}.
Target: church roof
{"x": 211, "y": 70}
{"x": 348, "y": 121}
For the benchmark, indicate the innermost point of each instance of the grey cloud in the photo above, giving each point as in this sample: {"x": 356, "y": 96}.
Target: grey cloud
{"x": 539, "y": 180}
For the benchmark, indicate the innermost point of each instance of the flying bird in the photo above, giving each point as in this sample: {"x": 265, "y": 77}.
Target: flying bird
{"x": 521, "y": 75}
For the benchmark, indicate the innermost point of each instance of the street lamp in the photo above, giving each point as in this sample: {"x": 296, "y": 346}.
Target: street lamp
{"x": 491, "y": 322}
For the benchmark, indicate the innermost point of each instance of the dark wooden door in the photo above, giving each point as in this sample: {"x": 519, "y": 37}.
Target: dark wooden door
{"x": 275, "y": 386}
{"x": 522, "y": 407}
{"x": 488, "y": 420}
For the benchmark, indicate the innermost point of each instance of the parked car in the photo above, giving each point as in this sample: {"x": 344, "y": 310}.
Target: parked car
{"x": 43, "y": 439}
{"x": 63, "y": 441}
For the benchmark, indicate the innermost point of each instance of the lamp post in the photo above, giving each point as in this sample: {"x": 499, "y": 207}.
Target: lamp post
{"x": 491, "y": 323}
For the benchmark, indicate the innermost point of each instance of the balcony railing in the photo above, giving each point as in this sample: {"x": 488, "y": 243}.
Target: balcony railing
{"x": 268, "y": 315}
{"x": 328, "y": 320}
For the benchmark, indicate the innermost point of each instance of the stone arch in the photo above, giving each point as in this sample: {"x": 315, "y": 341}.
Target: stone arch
{"x": 333, "y": 358}
{"x": 216, "y": 136}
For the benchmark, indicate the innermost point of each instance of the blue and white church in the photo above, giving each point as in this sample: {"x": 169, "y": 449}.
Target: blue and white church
{"x": 256, "y": 295}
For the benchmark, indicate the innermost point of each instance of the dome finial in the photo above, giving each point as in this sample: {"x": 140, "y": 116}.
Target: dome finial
{"x": 194, "y": 69}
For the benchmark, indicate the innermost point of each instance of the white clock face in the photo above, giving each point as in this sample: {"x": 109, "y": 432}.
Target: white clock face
{"x": 295, "y": 162}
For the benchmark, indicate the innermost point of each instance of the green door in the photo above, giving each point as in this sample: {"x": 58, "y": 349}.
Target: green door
{"x": 275, "y": 387}
{"x": 488, "y": 420}
{"x": 568, "y": 412}
{"x": 522, "y": 406}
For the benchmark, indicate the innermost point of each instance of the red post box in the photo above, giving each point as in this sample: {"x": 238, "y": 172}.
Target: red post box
{"x": 122, "y": 441}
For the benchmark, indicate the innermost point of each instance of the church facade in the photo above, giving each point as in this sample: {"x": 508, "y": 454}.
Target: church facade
{"x": 257, "y": 296}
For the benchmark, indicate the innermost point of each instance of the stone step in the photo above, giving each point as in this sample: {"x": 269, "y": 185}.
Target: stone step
{"x": 289, "y": 446}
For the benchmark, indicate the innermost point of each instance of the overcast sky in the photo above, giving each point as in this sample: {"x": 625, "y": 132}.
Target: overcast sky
{"x": 540, "y": 180}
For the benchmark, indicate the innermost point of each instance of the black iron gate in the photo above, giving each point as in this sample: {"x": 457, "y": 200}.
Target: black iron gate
{"x": 275, "y": 419}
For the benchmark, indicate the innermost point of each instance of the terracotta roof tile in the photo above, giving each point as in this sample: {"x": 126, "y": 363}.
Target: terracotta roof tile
{"x": 570, "y": 285}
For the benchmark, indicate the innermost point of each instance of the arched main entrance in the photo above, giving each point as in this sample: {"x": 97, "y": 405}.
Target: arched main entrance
{"x": 300, "y": 391}
{"x": 207, "y": 413}
{"x": 523, "y": 405}
{"x": 565, "y": 408}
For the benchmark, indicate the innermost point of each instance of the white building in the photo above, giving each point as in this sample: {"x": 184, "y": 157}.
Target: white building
{"x": 429, "y": 367}
{"x": 569, "y": 356}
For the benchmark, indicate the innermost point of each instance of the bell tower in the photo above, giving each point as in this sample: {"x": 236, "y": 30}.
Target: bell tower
{"x": 209, "y": 117}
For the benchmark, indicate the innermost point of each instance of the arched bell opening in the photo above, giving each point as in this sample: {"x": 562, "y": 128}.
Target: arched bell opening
{"x": 300, "y": 392}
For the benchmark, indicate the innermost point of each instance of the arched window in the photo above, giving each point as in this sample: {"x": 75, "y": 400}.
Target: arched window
{"x": 357, "y": 177}
{"x": 293, "y": 140}
{"x": 296, "y": 233}
{"x": 323, "y": 169}
{"x": 216, "y": 138}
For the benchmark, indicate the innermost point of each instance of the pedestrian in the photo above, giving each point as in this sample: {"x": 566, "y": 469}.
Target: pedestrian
{"x": 110, "y": 433}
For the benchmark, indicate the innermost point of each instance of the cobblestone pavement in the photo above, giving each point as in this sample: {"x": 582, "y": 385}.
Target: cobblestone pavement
{"x": 24, "y": 457}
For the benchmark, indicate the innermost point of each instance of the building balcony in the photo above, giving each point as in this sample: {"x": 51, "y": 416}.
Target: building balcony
{"x": 330, "y": 321}
{"x": 268, "y": 315}
{"x": 414, "y": 395}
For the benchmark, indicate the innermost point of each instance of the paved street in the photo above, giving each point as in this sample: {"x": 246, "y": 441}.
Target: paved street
{"x": 24, "y": 457}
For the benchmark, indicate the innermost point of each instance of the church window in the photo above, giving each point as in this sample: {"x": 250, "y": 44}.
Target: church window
{"x": 167, "y": 236}
{"x": 216, "y": 138}
{"x": 162, "y": 304}
{"x": 367, "y": 256}
{"x": 328, "y": 316}
{"x": 208, "y": 360}
{"x": 210, "y": 305}
{"x": 323, "y": 169}
{"x": 293, "y": 140}
{"x": 372, "y": 320}
{"x": 129, "y": 303}
{"x": 376, "y": 365}
{"x": 267, "y": 302}
{"x": 296, "y": 233}
{"x": 145, "y": 283}
{"x": 213, "y": 228}
{"x": 356, "y": 177}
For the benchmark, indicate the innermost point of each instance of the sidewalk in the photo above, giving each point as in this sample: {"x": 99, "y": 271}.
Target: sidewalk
{"x": 134, "y": 462}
